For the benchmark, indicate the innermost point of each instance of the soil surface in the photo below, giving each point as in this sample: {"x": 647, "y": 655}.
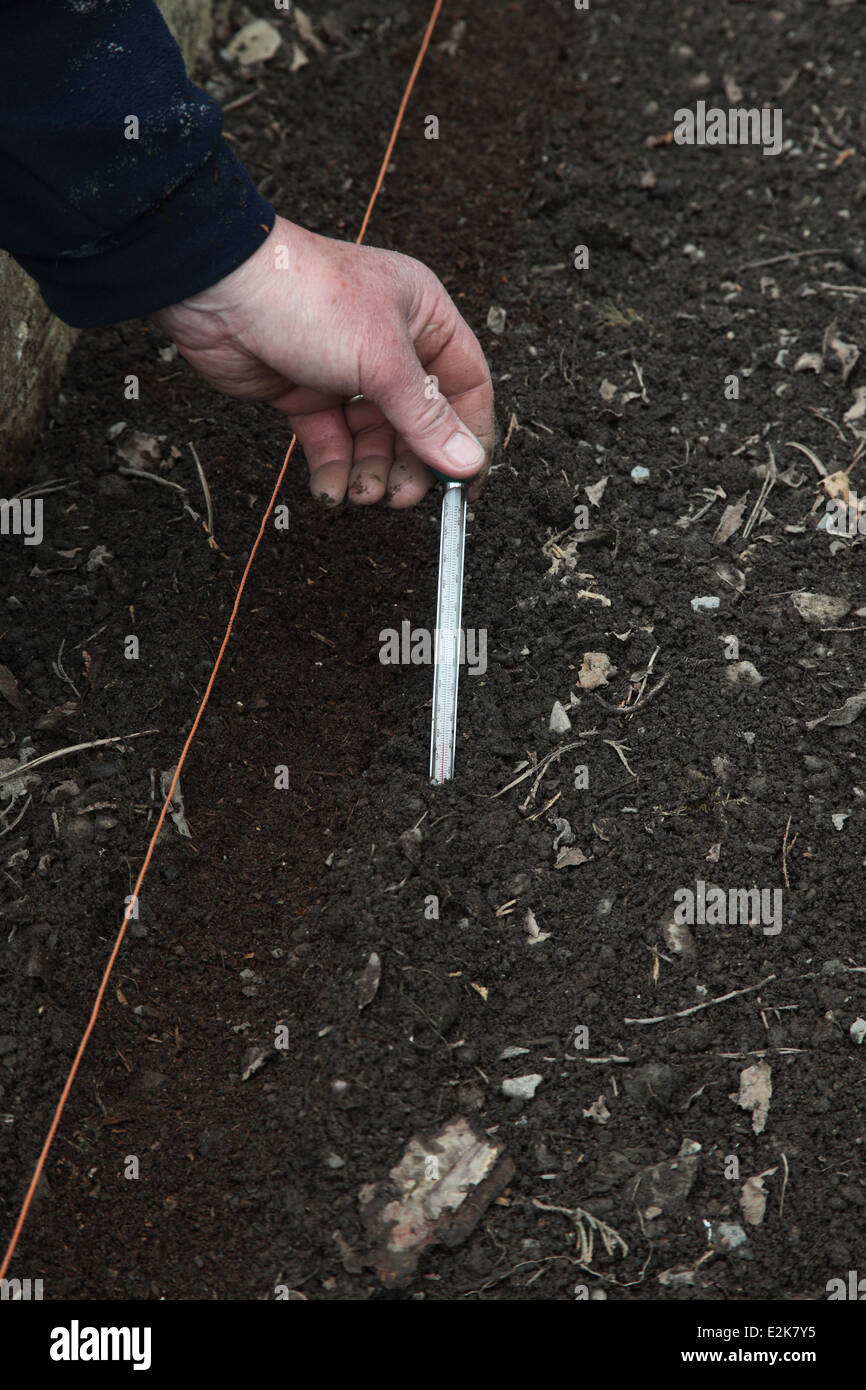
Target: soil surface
{"x": 697, "y": 344}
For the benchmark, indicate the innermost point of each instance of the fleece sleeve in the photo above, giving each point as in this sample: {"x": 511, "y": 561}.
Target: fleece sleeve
{"x": 118, "y": 193}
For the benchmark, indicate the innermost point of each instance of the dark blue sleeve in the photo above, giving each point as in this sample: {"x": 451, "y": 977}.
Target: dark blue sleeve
{"x": 114, "y": 227}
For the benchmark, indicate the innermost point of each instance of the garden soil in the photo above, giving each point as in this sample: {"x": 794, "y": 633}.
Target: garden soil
{"x": 524, "y": 928}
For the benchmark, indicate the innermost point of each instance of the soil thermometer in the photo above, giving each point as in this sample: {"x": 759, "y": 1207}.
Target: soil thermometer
{"x": 449, "y": 606}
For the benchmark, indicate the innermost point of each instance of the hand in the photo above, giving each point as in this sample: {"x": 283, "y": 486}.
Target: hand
{"x": 308, "y": 323}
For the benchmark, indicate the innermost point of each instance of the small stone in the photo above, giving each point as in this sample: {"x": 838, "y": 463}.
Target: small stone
{"x": 559, "y": 720}
{"x": 256, "y": 42}
{"x": 743, "y": 673}
{"x": 639, "y": 474}
{"x": 521, "y": 1087}
{"x": 858, "y": 1030}
{"x": 731, "y": 1235}
{"x": 496, "y": 319}
{"x": 706, "y": 604}
{"x": 825, "y": 609}
{"x": 677, "y": 937}
{"x": 667, "y": 1184}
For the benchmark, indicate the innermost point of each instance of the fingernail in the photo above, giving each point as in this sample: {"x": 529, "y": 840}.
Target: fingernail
{"x": 464, "y": 450}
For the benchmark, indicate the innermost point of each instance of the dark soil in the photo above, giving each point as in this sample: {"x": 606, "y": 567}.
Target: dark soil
{"x": 270, "y": 911}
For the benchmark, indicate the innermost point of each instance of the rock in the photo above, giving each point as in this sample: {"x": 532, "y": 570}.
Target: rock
{"x": 254, "y": 43}
{"x": 678, "y": 937}
{"x": 825, "y": 609}
{"x": 639, "y": 474}
{"x": 559, "y": 720}
{"x": 743, "y": 673}
{"x": 668, "y": 1184}
{"x": 858, "y": 1030}
{"x": 521, "y": 1087}
{"x": 706, "y": 604}
{"x": 410, "y": 844}
{"x": 730, "y": 1235}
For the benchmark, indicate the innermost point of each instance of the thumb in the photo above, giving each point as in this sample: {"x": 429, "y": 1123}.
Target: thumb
{"x": 411, "y": 400}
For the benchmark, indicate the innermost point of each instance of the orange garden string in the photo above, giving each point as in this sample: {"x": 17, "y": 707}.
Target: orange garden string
{"x": 131, "y": 905}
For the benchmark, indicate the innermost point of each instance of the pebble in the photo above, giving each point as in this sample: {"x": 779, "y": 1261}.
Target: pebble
{"x": 731, "y": 1235}
{"x": 743, "y": 673}
{"x": 521, "y": 1087}
{"x": 559, "y": 720}
{"x": 706, "y": 604}
{"x": 640, "y": 474}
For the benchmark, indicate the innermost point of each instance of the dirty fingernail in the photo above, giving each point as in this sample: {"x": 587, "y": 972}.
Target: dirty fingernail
{"x": 464, "y": 450}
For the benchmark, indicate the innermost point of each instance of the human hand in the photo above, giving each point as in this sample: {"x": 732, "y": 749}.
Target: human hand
{"x": 308, "y": 323}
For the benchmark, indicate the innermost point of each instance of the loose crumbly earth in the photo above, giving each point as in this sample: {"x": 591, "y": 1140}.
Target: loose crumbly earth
{"x": 554, "y": 133}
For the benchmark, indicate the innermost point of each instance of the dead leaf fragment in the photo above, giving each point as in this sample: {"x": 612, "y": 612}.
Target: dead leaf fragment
{"x": 730, "y": 522}
{"x": 837, "y": 718}
{"x": 753, "y": 1198}
{"x": 755, "y": 1092}
{"x": 570, "y": 858}
{"x": 307, "y": 32}
{"x": 595, "y": 491}
{"x": 809, "y": 362}
{"x": 175, "y": 809}
{"x": 858, "y": 409}
{"x": 436, "y": 1194}
{"x": 533, "y": 932}
{"x": 837, "y": 485}
{"x": 847, "y": 353}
